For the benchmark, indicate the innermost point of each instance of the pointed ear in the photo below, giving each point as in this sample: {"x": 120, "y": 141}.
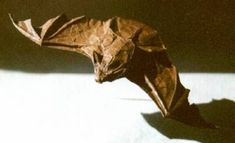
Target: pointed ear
{"x": 97, "y": 58}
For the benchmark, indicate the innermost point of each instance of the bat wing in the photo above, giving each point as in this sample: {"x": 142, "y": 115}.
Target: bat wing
{"x": 149, "y": 66}
{"x": 153, "y": 71}
{"x": 60, "y": 33}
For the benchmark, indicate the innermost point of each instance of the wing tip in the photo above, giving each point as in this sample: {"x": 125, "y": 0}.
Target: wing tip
{"x": 25, "y": 27}
{"x": 10, "y": 16}
{"x": 190, "y": 115}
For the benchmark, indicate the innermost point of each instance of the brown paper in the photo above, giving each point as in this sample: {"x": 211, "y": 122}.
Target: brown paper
{"x": 118, "y": 48}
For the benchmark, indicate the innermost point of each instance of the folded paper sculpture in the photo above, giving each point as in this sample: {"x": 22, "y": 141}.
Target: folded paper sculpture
{"x": 118, "y": 48}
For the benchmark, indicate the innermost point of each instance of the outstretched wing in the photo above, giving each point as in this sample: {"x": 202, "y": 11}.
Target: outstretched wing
{"x": 153, "y": 71}
{"x": 60, "y": 33}
{"x": 158, "y": 77}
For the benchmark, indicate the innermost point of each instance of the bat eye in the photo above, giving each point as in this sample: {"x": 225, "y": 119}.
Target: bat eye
{"x": 97, "y": 57}
{"x": 108, "y": 41}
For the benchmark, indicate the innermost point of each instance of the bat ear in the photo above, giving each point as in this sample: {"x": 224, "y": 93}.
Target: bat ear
{"x": 97, "y": 58}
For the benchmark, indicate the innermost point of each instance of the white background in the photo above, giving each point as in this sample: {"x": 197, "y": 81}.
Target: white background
{"x": 73, "y": 108}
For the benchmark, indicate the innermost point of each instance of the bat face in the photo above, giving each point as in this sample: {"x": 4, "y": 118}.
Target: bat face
{"x": 112, "y": 62}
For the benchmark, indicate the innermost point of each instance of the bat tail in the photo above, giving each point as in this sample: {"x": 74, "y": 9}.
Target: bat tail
{"x": 35, "y": 34}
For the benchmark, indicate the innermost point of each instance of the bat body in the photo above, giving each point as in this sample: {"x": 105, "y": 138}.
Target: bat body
{"x": 120, "y": 47}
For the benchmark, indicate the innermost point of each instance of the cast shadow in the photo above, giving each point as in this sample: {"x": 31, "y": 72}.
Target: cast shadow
{"x": 218, "y": 112}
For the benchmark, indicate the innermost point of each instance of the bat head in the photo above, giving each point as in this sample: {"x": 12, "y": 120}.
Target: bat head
{"x": 111, "y": 62}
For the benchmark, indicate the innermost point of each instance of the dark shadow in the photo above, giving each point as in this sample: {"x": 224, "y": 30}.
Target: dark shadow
{"x": 218, "y": 112}
{"x": 198, "y": 34}
{"x": 28, "y": 57}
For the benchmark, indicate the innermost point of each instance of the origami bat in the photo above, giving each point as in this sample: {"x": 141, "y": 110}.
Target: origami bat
{"x": 118, "y": 48}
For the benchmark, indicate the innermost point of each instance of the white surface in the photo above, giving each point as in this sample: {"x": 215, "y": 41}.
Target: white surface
{"x": 73, "y": 108}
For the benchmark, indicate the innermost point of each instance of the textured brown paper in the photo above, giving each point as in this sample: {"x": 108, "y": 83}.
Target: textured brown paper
{"x": 118, "y": 48}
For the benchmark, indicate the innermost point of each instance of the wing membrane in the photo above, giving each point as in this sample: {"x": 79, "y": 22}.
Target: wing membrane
{"x": 61, "y": 33}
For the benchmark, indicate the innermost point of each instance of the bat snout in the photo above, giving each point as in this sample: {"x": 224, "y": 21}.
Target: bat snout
{"x": 101, "y": 77}
{"x": 98, "y": 80}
